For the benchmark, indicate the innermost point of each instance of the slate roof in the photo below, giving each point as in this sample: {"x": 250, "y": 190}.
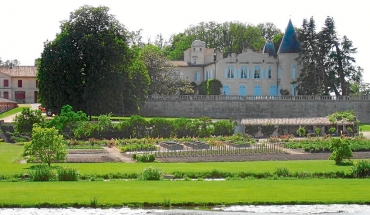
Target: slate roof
{"x": 19, "y": 71}
{"x": 290, "y": 43}
{"x": 292, "y": 121}
{"x": 270, "y": 49}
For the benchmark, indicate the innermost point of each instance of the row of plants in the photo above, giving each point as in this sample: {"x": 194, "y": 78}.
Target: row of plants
{"x": 322, "y": 144}
{"x": 360, "y": 169}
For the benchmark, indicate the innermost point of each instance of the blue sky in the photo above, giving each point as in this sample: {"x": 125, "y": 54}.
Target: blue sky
{"x": 26, "y": 25}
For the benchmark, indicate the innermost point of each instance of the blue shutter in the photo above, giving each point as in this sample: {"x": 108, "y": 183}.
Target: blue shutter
{"x": 239, "y": 73}
{"x": 279, "y": 72}
{"x": 261, "y": 73}
{"x": 252, "y": 73}
{"x": 293, "y": 71}
{"x": 247, "y": 72}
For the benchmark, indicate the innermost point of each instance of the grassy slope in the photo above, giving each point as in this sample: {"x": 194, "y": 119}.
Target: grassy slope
{"x": 226, "y": 192}
{"x": 15, "y": 110}
{"x": 365, "y": 127}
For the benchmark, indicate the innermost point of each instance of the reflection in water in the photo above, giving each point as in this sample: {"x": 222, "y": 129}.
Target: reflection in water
{"x": 232, "y": 210}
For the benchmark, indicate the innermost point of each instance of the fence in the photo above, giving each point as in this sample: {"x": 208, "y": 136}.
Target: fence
{"x": 226, "y": 97}
{"x": 223, "y": 150}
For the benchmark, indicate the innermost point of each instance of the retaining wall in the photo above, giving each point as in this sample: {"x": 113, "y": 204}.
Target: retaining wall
{"x": 224, "y": 107}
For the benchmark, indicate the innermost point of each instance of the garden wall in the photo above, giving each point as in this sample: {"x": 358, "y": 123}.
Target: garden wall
{"x": 259, "y": 108}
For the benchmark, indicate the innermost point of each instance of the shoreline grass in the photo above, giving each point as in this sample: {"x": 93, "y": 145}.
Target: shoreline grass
{"x": 186, "y": 193}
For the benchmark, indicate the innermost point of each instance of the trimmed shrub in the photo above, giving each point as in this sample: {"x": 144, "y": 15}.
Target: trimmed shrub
{"x": 340, "y": 150}
{"x": 161, "y": 127}
{"x": 224, "y": 127}
{"x": 151, "y": 174}
{"x": 282, "y": 172}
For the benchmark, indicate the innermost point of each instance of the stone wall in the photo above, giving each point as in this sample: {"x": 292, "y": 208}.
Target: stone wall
{"x": 221, "y": 107}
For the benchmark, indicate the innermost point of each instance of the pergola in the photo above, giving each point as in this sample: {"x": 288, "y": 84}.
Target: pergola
{"x": 320, "y": 122}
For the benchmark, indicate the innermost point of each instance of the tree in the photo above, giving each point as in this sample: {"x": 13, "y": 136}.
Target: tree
{"x": 210, "y": 87}
{"x": 10, "y": 63}
{"x": 87, "y": 65}
{"x": 269, "y": 30}
{"x": 327, "y": 62}
{"x": 25, "y": 121}
{"x": 68, "y": 120}
{"x": 165, "y": 79}
{"x": 47, "y": 145}
{"x": 340, "y": 150}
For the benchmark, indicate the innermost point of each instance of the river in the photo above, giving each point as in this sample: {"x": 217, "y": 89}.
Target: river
{"x": 232, "y": 210}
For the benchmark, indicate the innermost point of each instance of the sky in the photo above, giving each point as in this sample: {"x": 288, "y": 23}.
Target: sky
{"x": 26, "y": 24}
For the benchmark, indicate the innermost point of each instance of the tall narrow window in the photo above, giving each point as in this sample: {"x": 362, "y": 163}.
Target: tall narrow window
{"x": 6, "y": 83}
{"x": 194, "y": 61}
{"x": 19, "y": 83}
{"x": 37, "y": 83}
{"x": 294, "y": 90}
{"x": 293, "y": 71}
{"x": 6, "y": 95}
{"x": 244, "y": 72}
{"x": 197, "y": 76}
{"x": 269, "y": 71}
{"x": 257, "y": 72}
{"x": 230, "y": 72}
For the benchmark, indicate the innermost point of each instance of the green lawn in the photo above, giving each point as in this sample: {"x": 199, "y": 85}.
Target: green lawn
{"x": 15, "y": 110}
{"x": 120, "y": 193}
{"x": 365, "y": 127}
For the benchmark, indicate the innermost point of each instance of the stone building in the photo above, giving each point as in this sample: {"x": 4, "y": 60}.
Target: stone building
{"x": 19, "y": 83}
{"x": 248, "y": 73}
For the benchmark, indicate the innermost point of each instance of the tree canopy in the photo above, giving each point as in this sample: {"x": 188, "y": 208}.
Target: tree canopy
{"x": 327, "y": 61}
{"x": 89, "y": 65}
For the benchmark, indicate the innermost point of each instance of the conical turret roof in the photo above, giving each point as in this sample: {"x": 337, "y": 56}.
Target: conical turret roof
{"x": 270, "y": 49}
{"x": 290, "y": 43}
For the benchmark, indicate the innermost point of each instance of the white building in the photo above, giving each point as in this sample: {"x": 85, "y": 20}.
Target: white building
{"x": 248, "y": 73}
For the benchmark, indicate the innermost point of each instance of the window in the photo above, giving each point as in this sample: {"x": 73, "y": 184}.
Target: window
{"x": 200, "y": 49}
{"x": 242, "y": 90}
{"x": 6, "y": 83}
{"x": 19, "y": 83}
{"x": 272, "y": 90}
{"x": 225, "y": 90}
{"x": 293, "y": 71}
{"x": 257, "y": 90}
{"x": 230, "y": 72}
{"x": 193, "y": 49}
{"x": 197, "y": 76}
{"x": 257, "y": 72}
{"x": 6, "y": 95}
{"x": 194, "y": 61}
{"x": 294, "y": 90}
{"x": 37, "y": 83}
{"x": 244, "y": 72}
{"x": 269, "y": 71}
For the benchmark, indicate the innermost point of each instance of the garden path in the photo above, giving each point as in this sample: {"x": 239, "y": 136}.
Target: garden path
{"x": 117, "y": 153}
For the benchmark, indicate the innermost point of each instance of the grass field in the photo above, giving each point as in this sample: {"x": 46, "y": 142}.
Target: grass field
{"x": 119, "y": 193}
{"x": 365, "y": 127}
{"x": 191, "y": 193}
{"x": 15, "y": 110}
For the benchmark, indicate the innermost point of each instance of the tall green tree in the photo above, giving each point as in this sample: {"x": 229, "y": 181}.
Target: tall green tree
{"x": 87, "y": 64}
{"x": 327, "y": 61}
{"x": 269, "y": 30}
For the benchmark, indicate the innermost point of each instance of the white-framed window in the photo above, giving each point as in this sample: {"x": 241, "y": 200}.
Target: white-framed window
{"x": 244, "y": 72}
{"x": 230, "y": 72}
{"x": 257, "y": 72}
{"x": 194, "y": 61}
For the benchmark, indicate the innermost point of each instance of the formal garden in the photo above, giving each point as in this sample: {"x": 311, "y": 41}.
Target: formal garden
{"x": 166, "y": 165}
